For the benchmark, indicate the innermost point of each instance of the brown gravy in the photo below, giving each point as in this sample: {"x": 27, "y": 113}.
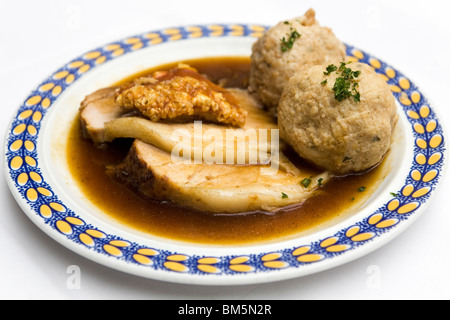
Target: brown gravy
{"x": 88, "y": 166}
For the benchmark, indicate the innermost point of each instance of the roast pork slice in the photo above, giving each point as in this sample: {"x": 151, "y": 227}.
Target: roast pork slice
{"x": 254, "y": 138}
{"x": 96, "y": 109}
{"x": 216, "y": 188}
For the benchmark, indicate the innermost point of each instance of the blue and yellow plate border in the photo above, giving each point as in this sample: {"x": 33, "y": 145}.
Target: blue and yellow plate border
{"x": 38, "y": 198}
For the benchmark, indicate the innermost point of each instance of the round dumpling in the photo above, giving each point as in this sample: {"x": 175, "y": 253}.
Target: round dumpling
{"x": 340, "y": 117}
{"x": 286, "y": 49}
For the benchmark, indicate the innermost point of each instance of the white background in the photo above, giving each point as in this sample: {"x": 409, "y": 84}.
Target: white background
{"x": 37, "y": 37}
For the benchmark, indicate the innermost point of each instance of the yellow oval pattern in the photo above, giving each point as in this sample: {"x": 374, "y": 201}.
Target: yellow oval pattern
{"x": 424, "y": 111}
{"x": 46, "y": 87}
{"x": 147, "y": 252}
{"x": 328, "y": 242}
{"x": 30, "y": 161}
{"x": 29, "y": 145}
{"x": 44, "y": 191}
{"x": 421, "y": 192}
{"x": 312, "y": 257}
{"x": 375, "y": 218}
{"x": 430, "y": 176}
{"x": 22, "y": 179}
{"x": 413, "y": 114}
{"x": 435, "y": 141}
{"x": 25, "y": 114}
{"x": 276, "y": 264}
{"x": 239, "y": 260}
{"x": 36, "y": 177}
{"x": 208, "y": 268}
{"x": 16, "y": 145}
{"x": 64, "y": 227}
{"x": 16, "y": 163}
{"x": 177, "y": 257}
{"x": 395, "y": 88}
{"x": 45, "y": 211}
{"x": 216, "y": 30}
{"x": 76, "y": 64}
{"x": 100, "y": 60}
{"x": 31, "y": 194}
{"x": 421, "y": 159}
{"x": 358, "y": 54}
{"x": 241, "y": 267}
{"x": 19, "y": 129}
{"x": 363, "y": 236}
{"x": 352, "y": 231}
{"x": 338, "y": 247}
{"x": 415, "y": 97}
{"x": 60, "y": 208}
{"x": 31, "y": 130}
{"x": 406, "y": 208}
{"x": 375, "y": 63}
{"x": 56, "y": 90}
{"x": 393, "y": 205}
{"x": 37, "y": 116}
{"x": 419, "y": 128}
{"x": 92, "y": 55}
{"x": 195, "y": 32}
{"x": 406, "y": 191}
{"x": 434, "y": 158}
{"x": 84, "y": 68}
{"x": 421, "y": 143}
{"x": 142, "y": 259}
{"x": 271, "y": 256}
{"x": 95, "y": 233}
{"x": 112, "y": 250}
{"x": 86, "y": 239}
{"x": 33, "y": 100}
{"x": 431, "y": 126}
{"x": 301, "y": 250}
{"x": 208, "y": 260}
{"x": 119, "y": 243}
{"x": 390, "y": 73}
{"x": 176, "y": 266}
{"x": 387, "y": 223}
{"x": 404, "y": 83}
{"x": 61, "y": 75}
{"x": 416, "y": 175}
{"x": 70, "y": 78}
{"x": 75, "y": 221}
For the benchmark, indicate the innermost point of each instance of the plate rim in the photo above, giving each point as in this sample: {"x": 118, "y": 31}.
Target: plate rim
{"x": 245, "y": 269}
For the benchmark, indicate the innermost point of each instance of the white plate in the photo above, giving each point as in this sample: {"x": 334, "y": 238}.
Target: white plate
{"x": 37, "y": 173}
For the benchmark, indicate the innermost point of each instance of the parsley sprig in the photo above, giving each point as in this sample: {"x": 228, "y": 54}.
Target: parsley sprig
{"x": 287, "y": 44}
{"x": 344, "y": 86}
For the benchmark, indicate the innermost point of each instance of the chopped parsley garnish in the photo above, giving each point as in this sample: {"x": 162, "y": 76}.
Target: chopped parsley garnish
{"x": 319, "y": 182}
{"x": 284, "y": 195}
{"x": 287, "y": 44}
{"x": 395, "y": 195}
{"x": 362, "y": 189}
{"x": 344, "y": 86}
{"x": 324, "y": 82}
{"x": 330, "y": 69}
{"x": 305, "y": 182}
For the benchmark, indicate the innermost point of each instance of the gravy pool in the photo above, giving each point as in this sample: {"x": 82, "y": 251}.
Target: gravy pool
{"x": 88, "y": 166}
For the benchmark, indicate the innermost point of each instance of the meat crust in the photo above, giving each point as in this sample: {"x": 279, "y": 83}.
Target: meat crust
{"x": 181, "y": 95}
